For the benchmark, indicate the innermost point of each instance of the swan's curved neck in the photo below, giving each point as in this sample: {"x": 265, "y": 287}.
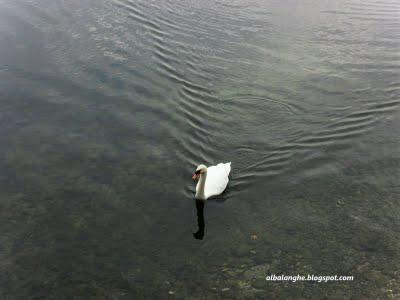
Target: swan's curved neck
{"x": 202, "y": 183}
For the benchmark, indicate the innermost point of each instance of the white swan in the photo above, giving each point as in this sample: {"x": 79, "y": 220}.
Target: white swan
{"x": 212, "y": 180}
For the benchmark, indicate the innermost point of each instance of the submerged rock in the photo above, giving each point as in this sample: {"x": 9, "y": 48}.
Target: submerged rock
{"x": 258, "y": 283}
{"x": 257, "y": 272}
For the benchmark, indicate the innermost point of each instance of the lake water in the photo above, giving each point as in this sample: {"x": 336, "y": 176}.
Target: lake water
{"x": 106, "y": 108}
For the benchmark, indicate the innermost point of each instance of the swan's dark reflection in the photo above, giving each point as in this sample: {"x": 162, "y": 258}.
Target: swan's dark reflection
{"x": 200, "y": 220}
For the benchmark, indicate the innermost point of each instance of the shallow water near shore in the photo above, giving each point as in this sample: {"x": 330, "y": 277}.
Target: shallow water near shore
{"x": 108, "y": 106}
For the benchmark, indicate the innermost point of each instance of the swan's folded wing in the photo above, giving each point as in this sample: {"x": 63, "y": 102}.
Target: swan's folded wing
{"x": 217, "y": 179}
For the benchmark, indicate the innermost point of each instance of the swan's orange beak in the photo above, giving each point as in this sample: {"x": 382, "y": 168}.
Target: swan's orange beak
{"x": 195, "y": 176}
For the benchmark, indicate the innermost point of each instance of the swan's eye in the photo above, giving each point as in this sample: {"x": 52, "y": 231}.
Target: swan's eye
{"x": 197, "y": 172}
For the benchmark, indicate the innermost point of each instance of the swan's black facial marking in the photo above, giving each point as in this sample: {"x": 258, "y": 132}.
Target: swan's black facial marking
{"x": 196, "y": 175}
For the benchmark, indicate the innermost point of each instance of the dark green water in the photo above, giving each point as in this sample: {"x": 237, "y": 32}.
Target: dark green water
{"x": 106, "y": 107}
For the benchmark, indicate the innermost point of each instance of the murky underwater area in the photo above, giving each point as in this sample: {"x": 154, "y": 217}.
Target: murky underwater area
{"x": 106, "y": 108}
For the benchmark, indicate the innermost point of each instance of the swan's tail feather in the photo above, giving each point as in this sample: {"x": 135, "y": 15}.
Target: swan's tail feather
{"x": 228, "y": 168}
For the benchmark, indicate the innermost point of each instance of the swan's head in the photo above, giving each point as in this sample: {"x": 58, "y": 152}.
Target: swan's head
{"x": 199, "y": 170}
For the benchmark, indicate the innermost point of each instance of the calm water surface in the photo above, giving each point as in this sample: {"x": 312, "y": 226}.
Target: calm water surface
{"x": 106, "y": 107}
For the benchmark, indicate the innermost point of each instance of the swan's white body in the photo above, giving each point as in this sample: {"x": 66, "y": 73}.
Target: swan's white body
{"x": 213, "y": 181}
